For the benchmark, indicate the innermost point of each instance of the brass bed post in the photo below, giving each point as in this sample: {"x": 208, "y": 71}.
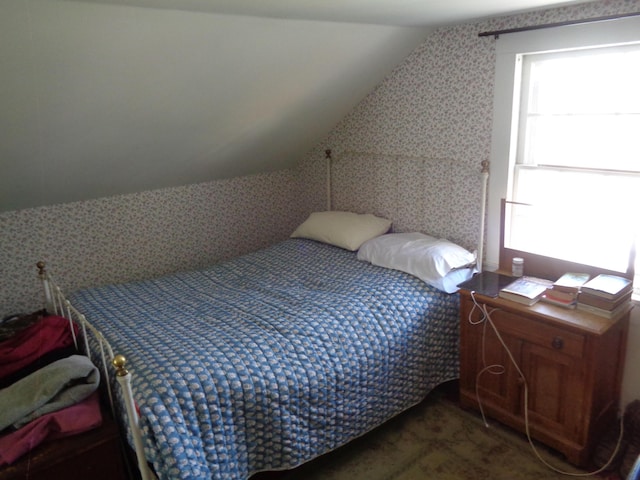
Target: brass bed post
{"x": 329, "y": 159}
{"x": 483, "y": 205}
{"x": 48, "y": 296}
{"x": 124, "y": 379}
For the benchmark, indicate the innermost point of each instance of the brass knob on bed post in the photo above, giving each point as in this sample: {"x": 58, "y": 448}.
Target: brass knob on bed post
{"x": 120, "y": 362}
{"x": 41, "y": 268}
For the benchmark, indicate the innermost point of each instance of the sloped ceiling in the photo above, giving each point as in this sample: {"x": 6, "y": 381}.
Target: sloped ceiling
{"x": 99, "y": 98}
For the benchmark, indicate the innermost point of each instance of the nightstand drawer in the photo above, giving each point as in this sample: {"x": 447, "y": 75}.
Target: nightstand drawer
{"x": 540, "y": 333}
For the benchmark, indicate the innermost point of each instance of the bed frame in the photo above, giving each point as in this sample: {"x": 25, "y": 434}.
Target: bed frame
{"x": 56, "y": 303}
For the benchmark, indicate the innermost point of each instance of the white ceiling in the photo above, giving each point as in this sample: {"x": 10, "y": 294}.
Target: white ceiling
{"x": 108, "y": 97}
{"x": 412, "y": 13}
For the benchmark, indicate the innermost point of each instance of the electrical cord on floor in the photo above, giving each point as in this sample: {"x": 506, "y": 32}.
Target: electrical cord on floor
{"x": 496, "y": 369}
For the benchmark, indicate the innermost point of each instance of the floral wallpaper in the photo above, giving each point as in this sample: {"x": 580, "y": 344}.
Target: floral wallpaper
{"x": 141, "y": 235}
{"x": 437, "y": 105}
{"x": 411, "y": 150}
{"x": 414, "y": 192}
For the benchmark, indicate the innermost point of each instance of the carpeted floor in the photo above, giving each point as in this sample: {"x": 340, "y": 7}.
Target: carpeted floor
{"x": 434, "y": 440}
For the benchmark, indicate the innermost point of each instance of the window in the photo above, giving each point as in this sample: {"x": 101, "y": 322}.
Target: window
{"x": 577, "y": 162}
{"x": 570, "y": 157}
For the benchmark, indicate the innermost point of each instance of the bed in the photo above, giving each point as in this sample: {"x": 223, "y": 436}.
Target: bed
{"x": 268, "y": 360}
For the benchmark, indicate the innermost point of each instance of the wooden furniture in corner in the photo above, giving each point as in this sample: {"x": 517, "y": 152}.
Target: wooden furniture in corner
{"x": 572, "y": 363}
{"x": 92, "y": 455}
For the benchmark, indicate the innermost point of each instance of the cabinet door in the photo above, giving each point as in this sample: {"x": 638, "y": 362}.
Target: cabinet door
{"x": 498, "y": 380}
{"x": 488, "y": 373}
{"x": 555, "y": 388}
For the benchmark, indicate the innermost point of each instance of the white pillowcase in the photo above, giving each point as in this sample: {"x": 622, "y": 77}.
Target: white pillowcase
{"x": 449, "y": 283}
{"x": 434, "y": 261}
{"x": 342, "y": 229}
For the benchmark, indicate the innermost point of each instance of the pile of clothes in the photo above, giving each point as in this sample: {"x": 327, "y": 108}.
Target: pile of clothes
{"x": 47, "y": 390}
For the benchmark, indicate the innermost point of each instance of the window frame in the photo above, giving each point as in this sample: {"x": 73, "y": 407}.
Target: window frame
{"x": 508, "y": 72}
{"x": 527, "y": 108}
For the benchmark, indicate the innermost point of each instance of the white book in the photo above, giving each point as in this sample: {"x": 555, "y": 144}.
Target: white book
{"x": 526, "y": 290}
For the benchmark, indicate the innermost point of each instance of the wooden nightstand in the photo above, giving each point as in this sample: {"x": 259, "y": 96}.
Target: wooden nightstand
{"x": 94, "y": 455}
{"x": 572, "y": 362}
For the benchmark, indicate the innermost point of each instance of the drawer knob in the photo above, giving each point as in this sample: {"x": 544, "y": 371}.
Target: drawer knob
{"x": 557, "y": 343}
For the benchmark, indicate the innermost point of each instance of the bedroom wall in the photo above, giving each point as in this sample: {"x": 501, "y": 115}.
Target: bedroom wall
{"x": 438, "y": 104}
{"x": 140, "y": 235}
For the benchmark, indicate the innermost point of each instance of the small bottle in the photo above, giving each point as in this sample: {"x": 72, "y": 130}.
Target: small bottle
{"x": 517, "y": 266}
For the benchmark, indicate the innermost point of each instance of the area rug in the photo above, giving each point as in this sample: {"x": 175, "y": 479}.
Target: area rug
{"x": 436, "y": 440}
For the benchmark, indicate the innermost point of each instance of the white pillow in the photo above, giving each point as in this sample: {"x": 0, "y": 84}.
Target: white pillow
{"x": 449, "y": 283}
{"x": 342, "y": 229}
{"x": 432, "y": 260}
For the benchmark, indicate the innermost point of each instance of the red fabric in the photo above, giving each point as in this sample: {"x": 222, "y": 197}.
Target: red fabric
{"x": 28, "y": 345}
{"x": 72, "y": 420}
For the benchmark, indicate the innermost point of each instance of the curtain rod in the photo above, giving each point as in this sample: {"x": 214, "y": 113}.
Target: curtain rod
{"x": 496, "y": 33}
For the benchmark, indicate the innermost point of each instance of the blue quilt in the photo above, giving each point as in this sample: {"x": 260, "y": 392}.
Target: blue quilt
{"x": 273, "y": 358}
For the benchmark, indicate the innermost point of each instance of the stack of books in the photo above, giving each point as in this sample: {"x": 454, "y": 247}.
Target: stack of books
{"x": 526, "y": 290}
{"x": 564, "y": 291}
{"x": 605, "y": 295}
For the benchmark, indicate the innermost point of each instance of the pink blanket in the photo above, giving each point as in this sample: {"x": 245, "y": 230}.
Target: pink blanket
{"x": 72, "y": 420}
{"x": 28, "y": 345}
